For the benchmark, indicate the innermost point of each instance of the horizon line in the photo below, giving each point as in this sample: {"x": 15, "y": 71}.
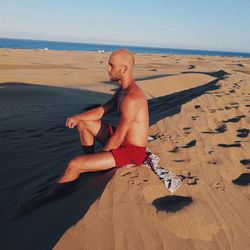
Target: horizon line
{"x": 128, "y": 45}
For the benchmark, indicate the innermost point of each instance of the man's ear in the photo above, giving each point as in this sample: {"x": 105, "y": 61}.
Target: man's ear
{"x": 124, "y": 69}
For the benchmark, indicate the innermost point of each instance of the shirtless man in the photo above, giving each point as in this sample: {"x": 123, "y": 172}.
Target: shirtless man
{"x": 126, "y": 144}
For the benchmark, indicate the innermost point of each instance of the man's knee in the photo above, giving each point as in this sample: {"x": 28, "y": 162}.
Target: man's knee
{"x": 72, "y": 172}
{"x": 86, "y": 125}
{"x": 81, "y": 125}
{"x": 72, "y": 168}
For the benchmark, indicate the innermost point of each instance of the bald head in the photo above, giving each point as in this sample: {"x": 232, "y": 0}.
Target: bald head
{"x": 121, "y": 64}
{"x": 123, "y": 57}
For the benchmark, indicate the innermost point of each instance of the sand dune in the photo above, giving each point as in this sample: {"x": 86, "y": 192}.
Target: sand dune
{"x": 199, "y": 115}
{"x": 174, "y": 84}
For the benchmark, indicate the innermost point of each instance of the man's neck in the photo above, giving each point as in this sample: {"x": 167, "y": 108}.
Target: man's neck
{"x": 127, "y": 83}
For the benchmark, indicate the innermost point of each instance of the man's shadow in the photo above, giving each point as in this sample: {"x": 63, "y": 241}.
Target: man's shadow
{"x": 42, "y": 228}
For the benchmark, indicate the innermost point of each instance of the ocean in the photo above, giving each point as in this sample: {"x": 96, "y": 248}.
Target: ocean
{"x": 54, "y": 45}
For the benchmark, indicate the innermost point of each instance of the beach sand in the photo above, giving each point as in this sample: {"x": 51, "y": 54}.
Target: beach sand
{"x": 199, "y": 116}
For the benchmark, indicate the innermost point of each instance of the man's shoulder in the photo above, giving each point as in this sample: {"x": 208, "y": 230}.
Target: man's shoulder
{"x": 137, "y": 92}
{"x": 130, "y": 98}
{"x": 133, "y": 99}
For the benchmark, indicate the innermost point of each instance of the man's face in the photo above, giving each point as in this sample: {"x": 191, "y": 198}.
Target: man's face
{"x": 114, "y": 69}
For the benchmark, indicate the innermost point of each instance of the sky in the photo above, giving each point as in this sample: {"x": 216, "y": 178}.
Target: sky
{"x": 190, "y": 24}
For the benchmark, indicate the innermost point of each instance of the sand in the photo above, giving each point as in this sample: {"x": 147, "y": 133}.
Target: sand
{"x": 199, "y": 116}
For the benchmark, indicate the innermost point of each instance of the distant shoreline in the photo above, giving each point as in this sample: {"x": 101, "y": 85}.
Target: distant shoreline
{"x": 10, "y": 43}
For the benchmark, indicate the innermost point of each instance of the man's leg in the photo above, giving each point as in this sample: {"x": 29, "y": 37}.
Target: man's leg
{"x": 87, "y": 163}
{"x": 79, "y": 164}
{"x": 91, "y": 130}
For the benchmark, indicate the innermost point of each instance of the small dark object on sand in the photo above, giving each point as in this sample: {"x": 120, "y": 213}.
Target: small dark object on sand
{"x": 172, "y": 203}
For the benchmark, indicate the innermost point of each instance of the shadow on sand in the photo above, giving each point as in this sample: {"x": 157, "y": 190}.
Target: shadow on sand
{"x": 142, "y": 78}
{"x": 38, "y": 147}
{"x": 172, "y": 203}
{"x": 220, "y": 74}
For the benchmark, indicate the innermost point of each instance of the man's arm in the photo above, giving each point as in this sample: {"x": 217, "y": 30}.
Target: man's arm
{"x": 111, "y": 105}
{"x": 95, "y": 113}
{"x": 128, "y": 113}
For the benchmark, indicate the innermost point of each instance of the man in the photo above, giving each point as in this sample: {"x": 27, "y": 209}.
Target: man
{"x": 125, "y": 144}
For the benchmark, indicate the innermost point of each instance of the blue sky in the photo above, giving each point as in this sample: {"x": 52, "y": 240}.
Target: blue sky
{"x": 194, "y": 24}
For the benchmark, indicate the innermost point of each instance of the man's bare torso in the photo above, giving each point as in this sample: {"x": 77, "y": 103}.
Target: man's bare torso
{"x": 137, "y": 134}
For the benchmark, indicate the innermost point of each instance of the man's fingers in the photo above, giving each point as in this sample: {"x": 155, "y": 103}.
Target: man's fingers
{"x": 67, "y": 122}
{"x": 71, "y": 123}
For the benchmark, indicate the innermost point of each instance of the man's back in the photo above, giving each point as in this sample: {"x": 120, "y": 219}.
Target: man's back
{"x": 138, "y": 131}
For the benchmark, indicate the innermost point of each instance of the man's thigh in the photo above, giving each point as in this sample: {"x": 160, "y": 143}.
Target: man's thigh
{"x": 94, "y": 162}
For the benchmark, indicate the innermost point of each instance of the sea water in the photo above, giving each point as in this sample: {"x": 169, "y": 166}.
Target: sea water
{"x": 55, "y": 45}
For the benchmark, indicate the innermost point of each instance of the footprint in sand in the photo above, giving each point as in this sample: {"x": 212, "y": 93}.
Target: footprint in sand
{"x": 190, "y": 144}
{"x": 183, "y": 160}
{"x": 235, "y": 119}
{"x": 212, "y": 161}
{"x": 234, "y": 105}
{"x": 191, "y": 66}
{"x": 134, "y": 177}
{"x": 127, "y": 171}
{"x": 174, "y": 150}
{"x": 242, "y": 180}
{"x": 246, "y": 162}
{"x": 220, "y": 129}
{"x": 194, "y": 118}
{"x": 236, "y": 85}
{"x": 166, "y": 137}
{"x": 172, "y": 203}
{"x": 189, "y": 179}
{"x": 233, "y": 145}
{"x": 218, "y": 185}
{"x": 243, "y": 133}
{"x": 198, "y": 107}
{"x": 187, "y": 130}
{"x": 212, "y": 110}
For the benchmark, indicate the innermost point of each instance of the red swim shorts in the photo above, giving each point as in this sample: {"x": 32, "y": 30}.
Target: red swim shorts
{"x": 128, "y": 153}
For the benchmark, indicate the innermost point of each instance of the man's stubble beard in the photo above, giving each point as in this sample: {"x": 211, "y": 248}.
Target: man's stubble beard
{"x": 114, "y": 79}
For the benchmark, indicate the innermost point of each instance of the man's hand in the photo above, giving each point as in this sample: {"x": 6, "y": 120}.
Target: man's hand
{"x": 72, "y": 121}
